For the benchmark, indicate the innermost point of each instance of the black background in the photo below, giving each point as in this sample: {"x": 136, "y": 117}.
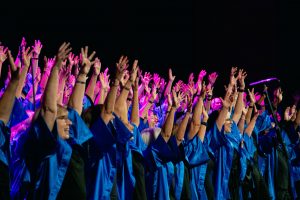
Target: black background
{"x": 259, "y": 36}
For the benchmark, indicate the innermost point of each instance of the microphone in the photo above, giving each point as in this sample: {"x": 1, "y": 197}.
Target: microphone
{"x": 264, "y": 81}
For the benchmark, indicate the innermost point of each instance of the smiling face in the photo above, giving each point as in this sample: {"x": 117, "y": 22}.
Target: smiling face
{"x": 63, "y": 123}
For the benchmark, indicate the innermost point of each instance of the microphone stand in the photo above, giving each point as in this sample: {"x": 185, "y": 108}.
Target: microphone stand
{"x": 278, "y": 138}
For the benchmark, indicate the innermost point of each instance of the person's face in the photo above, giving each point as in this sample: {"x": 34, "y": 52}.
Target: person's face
{"x": 216, "y": 104}
{"x": 63, "y": 125}
{"x": 152, "y": 119}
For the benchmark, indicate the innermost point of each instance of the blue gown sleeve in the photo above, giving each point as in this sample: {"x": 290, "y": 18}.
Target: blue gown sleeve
{"x": 102, "y": 136}
{"x": 78, "y": 130}
{"x": 143, "y": 125}
{"x": 195, "y": 152}
{"x": 40, "y": 141}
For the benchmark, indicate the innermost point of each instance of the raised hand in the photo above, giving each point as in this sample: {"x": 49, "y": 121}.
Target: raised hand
{"x": 233, "y": 79}
{"x": 71, "y": 59}
{"x": 122, "y": 65}
{"x": 97, "y": 66}
{"x": 86, "y": 60}
{"x": 134, "y": 71}
{"x": 3, "y": 55}
{"x": 191, "y": 79}
{"x": 241, "y": 77}
{"x": 156, "y": 79}
{"x": 14, "y": 70}
{"x": 26, "y": 56}
{"x": 201, "y": 75}
{"x": 104, "y": 79}
{"x": 37, "y": 47}
{"x": 212, "y": 78}
{"x": 171, "y": 77}
{"x": 62, "y": 54}
{"x": 178, "y": 85}
{"x": 252, "y": 96}
{"x": 162, "y": 84}
{"x": 136, "y": 84}
{"x": 227, "y": 101}
{"x": 147, "y": 78}
{"x": 289, "y": 113}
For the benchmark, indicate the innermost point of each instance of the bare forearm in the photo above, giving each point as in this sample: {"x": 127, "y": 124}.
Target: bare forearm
{"x": 77, "y": 95}
{"x": 221, "y": 118}
{"x": 207, "y": 105}
{"x": 168, "y": 125}
{"x": 241, "y": 124}
{"x": 44, "y": 80}
{"x": 141, "y": 89}
{"x": 7, "y": 101}
{"x": 135, "y": 119}
{"x": 22, "y": 81}
{"x": 250, "y": 126}
{"x": 202, "y": 129}
{"x": 168, "y": 88}
{"x": 121, "y": 100}
{"x": 91, "y": 87}
{"x": 195, "y": 124}
{"x": 30, "y": 96}
{"x": 238, "y": 108}
{"x": 111, "y": 97}
{"x": 249, "y": 113}
{"x": 49, "y": 107}
{"x": 182, "y": 128}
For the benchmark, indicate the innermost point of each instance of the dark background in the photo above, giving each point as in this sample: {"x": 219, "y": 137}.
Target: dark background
{"x": 259, "y": 36}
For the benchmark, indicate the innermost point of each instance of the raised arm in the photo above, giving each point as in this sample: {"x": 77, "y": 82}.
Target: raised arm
{"x": 135, "y": 119}
{"x": 251, "y": 105}
{"x": 37, "y": 47}
{"x": 77, "y": 95}
{"x": 144, "y": 110}
{"x": 121, "y": 106}
{"x": 170, "y": 82}
{"x": 182, "y": 126}
{"x": 195, "y": 123}
{"x": 109, "y": 104}
{"x": 226, "y": 102}
{"x": 202, "y": 129}
{"x": 91, "y": 87}
{"x": 104, "y": 87}
{"x": 8, "y": 98}
{"x": 251, "y": 125}
{"x": 49, "y": 102}
{"x": 3, "y": 56}
{"x": 239, "y": 104}
{"x": 168, "y": 125}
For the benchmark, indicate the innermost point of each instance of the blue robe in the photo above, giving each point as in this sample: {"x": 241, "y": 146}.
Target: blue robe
{"x": 159, "y": 169}
{"x": 47, "y": 156}
{"x": 223, "y": 145}
{"x": 197, "y": 157}
{"x": 109, "y": 159}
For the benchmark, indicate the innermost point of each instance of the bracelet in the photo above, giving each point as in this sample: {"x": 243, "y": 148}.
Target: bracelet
{"x": 251, "y": 106}
{"x": 34, "y": 58}
{"x": 204, "y": 123}
{"x": 81, "y": 82}
{"x": 240, "y": 90}
{"x": 150, "y": 101}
